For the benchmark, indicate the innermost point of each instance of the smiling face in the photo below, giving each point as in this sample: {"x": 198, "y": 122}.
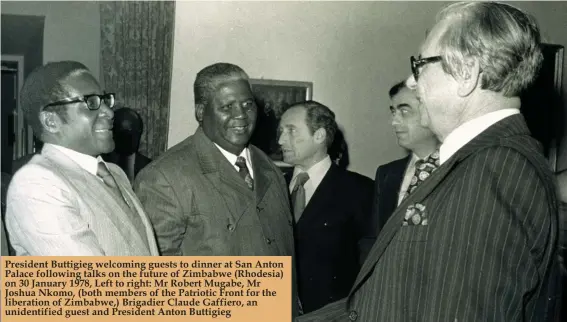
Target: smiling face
{"x": 229, "y": 118}
{"x": 406, "y": 120}
{"x": 85, "y": 131}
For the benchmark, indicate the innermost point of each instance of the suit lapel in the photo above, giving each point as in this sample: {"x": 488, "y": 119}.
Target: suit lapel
{"x": 137, "y": 209}
{"x": 320, "y": 197}
{"x": 223, "y": 176}
{"x": 512, "y": 125}
{"x": 393, "y": 183}
{"x": 99, "y": 196}
{"x": 262, "y": 174}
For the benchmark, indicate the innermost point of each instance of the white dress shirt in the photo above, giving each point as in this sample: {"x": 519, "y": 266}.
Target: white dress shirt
{"x": 316, "y": 174}
{"x": 469, "y": 130}
{"x": 232, "y": 159}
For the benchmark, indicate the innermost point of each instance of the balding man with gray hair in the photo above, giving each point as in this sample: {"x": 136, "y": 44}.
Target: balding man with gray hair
{"x": 66, "y": 200}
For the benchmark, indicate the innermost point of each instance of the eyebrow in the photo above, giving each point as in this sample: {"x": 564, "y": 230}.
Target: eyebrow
{"x": 397, "y": 107}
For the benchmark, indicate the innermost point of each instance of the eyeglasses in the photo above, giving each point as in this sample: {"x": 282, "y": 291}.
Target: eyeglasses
{"x": 93, "y": 101}
{"x": 416, "y": 64}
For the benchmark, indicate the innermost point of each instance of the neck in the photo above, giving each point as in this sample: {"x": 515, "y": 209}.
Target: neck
{"x": 425, "y": 149}
{"x": 316, "y": 158}
{"x": 479, "y": 105}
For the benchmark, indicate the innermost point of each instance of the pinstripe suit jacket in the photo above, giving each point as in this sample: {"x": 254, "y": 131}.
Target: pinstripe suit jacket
{"x": 56, "y": 208}
{"x": 488, "y": 252}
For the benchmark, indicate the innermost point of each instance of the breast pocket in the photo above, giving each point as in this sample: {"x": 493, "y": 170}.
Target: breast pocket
{"x": 413, "y": 233}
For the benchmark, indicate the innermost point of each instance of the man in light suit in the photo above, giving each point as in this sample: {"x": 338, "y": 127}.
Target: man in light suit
{"x": 393, "y": 179}
{"x": 477, "y": 240}
{"x": 66, "y": 201}
{"x": 332, "y": 210}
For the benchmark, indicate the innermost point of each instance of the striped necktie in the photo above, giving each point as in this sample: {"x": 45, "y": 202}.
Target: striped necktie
{"x": 244, "y": 173}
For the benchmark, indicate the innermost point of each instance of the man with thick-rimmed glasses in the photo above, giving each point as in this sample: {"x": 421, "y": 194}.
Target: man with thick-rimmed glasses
{"x": 66, "y": 201}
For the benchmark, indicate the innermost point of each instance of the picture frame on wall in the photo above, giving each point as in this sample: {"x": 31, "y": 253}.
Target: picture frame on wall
{"x": 273, "y": 97}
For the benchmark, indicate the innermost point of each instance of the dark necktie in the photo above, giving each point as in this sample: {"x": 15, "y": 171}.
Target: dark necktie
{"x": 244, "y": 173}
{"x": 298, "y": 195}
{"x": 423, "y": 169}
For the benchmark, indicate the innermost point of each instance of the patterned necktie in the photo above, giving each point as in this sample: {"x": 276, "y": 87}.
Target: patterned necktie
{"x": 423, "y": 169}
{"x": 244, "y": 173}
{"x": 298, "y": 195}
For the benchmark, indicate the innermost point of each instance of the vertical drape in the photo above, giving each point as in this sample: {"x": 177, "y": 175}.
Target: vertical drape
{"x": 136, "y": 58}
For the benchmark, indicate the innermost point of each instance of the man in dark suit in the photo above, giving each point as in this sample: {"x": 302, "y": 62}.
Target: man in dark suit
{"x": 332, "y": 206}
{"x": 393, "y": 179}
{"x": 477, "y": 240}
{"x": 127, "y": 132}
{"x": 213, "y": 193}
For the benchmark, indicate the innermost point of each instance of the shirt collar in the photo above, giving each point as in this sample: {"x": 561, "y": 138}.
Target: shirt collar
{"x": 469, "y": 130}
{"x": 316, "y": 172}
{"x": 232, "y": 157}
{"x": 87, "y": 162}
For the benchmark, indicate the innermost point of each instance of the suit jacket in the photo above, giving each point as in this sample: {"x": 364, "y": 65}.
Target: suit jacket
{"x": 488, "y": 252}
{"x": 387, "y": 185}
{"x": 327, "y": 237}
{"x": 200, "y": 206}
{"x": 55, "y": 207}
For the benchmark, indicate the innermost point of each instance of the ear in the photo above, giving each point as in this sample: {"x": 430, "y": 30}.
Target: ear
{"x": 199, "y": 111}
{"x": 469, "y": 78}
{"x": 50, "y": 121}
{"x": 320, "y": 135}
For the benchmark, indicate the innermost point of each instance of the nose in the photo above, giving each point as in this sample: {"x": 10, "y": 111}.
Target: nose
{"x": 396, "y": 118}
{"x": 238, "y": 111}
{"x": 104, "y": 110}
{"x": 281, "y": 138}
{"x": 411, "y": 82}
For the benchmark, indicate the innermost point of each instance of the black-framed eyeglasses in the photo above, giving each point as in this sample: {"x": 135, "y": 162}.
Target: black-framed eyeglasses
{"x": 416, "y": 64}
{"x": 93, "y": 101}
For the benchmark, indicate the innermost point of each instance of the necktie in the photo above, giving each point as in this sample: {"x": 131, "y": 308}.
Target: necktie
{"x": 244, "y": 173}
{"x": 423, "y": 169}
{"x": 298, "y": 195}
{"x": 108, "y": 179}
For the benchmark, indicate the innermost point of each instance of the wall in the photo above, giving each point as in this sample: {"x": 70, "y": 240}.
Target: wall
{"x": 71, "y": 31}
{"x": 352, "y": 51}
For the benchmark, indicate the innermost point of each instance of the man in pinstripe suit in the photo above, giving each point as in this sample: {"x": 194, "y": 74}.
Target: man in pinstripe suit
{"x": 481, "y": 244}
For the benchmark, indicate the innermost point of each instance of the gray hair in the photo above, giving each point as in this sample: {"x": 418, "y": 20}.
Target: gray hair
{"x": 504, "y": 39}
{"x": 209, "y": 78}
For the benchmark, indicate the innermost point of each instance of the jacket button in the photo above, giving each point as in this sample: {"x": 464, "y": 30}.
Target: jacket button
{"x": 268, "y": 241}
{"x": 353, "y": 315}
{"x": 325, "y": 224}
{"x": 230, "y": 227}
